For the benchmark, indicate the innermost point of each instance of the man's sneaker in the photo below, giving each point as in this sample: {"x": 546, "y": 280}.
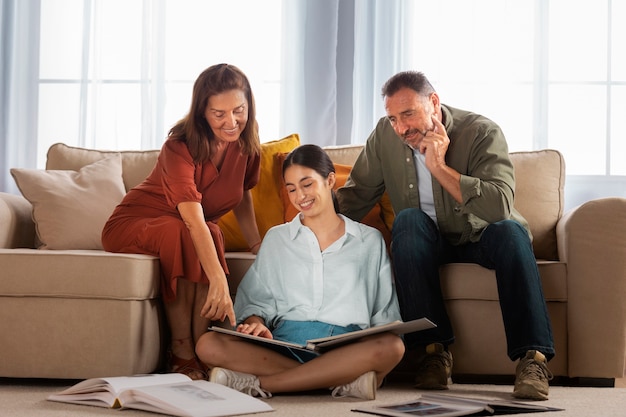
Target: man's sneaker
{"x": 246, "y": 383}
{"x": 435, "y": 369}
{"x": 532, "y": 376}
{"x": 363, "y": 387}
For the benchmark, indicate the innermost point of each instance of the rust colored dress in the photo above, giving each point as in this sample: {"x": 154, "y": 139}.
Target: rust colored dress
{"x": 147, "y": 220}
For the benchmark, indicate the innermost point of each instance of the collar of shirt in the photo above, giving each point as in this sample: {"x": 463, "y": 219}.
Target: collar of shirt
{"x": 448, "y": 120}
{"x": 352, "y": 227}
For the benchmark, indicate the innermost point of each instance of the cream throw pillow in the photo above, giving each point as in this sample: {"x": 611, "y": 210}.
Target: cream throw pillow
{"x": 70, "y": 208}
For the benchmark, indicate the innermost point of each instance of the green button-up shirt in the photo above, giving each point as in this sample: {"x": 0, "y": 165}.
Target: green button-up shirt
{"x": 477, "y": 150}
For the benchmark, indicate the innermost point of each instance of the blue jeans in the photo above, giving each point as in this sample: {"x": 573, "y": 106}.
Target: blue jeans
{"x": 418, "y": 250}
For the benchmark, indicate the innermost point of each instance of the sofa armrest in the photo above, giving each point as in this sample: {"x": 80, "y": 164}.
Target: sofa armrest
{"x": 17, "y": 229}
{"x": 592, "y": 241}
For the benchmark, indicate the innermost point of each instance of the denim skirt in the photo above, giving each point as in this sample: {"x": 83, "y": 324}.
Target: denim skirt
{"x": 301, "y": 331}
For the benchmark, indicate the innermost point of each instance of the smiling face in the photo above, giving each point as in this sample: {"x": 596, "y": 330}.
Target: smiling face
{"x": 410, "y": 114}
{"x": 227, "y": 115}
{"x": 308, "y": 191}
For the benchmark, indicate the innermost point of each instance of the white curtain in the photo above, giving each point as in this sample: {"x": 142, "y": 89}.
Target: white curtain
{"x": 309, "y": 94}
{"x": 153, "y": 69}
{"x": 19, "y": 52}
{"x": 21, "y": 145}
{"x": 382, "y": 35}
{"x": 96, "y": 26}
{"x": 337, "y": 54}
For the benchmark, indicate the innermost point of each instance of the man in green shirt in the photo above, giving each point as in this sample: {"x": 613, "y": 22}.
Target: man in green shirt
{"x": 451, "y": 184}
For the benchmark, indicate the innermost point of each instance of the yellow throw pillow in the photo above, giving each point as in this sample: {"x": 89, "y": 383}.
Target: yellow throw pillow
{"x": 268, "y": 205}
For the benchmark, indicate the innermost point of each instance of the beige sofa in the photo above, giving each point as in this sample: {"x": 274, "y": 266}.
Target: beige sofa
{"x": 80, "y": 313}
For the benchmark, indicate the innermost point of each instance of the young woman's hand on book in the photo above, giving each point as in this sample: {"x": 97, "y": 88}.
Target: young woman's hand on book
{"x": 255, "y": 326}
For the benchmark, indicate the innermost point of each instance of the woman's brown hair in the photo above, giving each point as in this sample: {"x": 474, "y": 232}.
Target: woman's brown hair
{"x": 194, "y": 129}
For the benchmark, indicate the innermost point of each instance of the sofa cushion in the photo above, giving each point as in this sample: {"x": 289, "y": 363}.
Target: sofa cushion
{"x": 136, "y": 165}
{"x": 268, "y": 205}
{"x": 87, "y": 274}
{"x": 343, "y": 154}
{"x": 539, "y": 196}
{"x": 465, "y": 281}
{"x": 16, "y": 218}
{"x": 70, "y": 208}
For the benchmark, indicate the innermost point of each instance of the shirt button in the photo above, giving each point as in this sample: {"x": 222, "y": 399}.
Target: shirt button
{"x": 410, "y": 185}
{"x": 408, "y": 159}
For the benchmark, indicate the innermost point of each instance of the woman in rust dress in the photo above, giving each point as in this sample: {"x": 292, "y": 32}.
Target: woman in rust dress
{"x": 207, "y": 166}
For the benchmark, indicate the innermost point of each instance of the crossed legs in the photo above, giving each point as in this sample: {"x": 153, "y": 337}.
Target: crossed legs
{"x": 278, "y": 373}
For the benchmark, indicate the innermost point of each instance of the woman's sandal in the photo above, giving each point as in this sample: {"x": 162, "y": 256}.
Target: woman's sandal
{"x": 190, "y": 367}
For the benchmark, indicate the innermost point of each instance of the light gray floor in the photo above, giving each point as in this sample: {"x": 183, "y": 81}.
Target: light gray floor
{"x": 27, "y": 398}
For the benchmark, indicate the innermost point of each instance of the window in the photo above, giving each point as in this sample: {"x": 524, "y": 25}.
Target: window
{"x": 481, "y": 59}
{"x": 552, "y": 73}
{"x": 117, "y": 74}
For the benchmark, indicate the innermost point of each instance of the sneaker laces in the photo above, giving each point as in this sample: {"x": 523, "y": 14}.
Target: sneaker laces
{"x": 339, "y": 391}
{"x": 435, "y": 361}
{"x": 250, "y": 385}
{"x": 535, "y": 370}
{"x": 355, "y": 389}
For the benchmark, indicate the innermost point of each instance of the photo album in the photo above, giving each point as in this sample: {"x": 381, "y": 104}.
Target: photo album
{"x": 443, "y": 405}
{"x": 326, "y": 343}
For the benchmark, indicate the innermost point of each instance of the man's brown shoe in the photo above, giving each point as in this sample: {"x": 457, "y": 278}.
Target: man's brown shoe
{"x": 532, "y": 376}
{"x": 435, "y": 369}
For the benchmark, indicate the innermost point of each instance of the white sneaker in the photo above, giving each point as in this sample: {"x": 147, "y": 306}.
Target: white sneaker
{"x": 363, "y": 387}
{"x": 242, "y": 382}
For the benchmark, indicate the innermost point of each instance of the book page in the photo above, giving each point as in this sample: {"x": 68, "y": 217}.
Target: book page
{"x": 122, "y": 383}
{"x": 194, "y": 399}
{"x": 421, "y": 407}
{"x": 495, "y": 406}
{"x": 443, "y": 405}
{"x": 103, "y": 392}
{"x": 397, "y": 327}
{"x": 259, "y": 339}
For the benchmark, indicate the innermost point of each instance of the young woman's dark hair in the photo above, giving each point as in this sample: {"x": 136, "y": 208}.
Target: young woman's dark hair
{"x": 194, "y": 128}
{"x": 314, "y": 157}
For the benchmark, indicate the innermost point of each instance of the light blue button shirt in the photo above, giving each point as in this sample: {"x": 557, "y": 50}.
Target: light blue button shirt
{"x": 425, "y": 185}
{"x": 291, "y": 279}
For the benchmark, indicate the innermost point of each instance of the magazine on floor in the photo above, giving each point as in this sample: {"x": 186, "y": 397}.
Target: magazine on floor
{"x": 325, "y": 343}
{"x": 174, "y": 394}
{"x": 442, "y": 405}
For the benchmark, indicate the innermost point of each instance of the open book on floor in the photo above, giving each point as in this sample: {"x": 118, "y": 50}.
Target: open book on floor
{"x": 326, "y": 343}
{"x": 442, "y": 405}
{"x": 173, "y": 394}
